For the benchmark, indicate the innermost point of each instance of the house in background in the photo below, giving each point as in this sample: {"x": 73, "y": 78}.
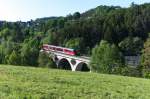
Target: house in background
{"x": 133, "y": 61}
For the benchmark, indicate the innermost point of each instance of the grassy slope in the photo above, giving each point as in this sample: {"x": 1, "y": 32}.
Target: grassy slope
{"x": 20, "y": 82}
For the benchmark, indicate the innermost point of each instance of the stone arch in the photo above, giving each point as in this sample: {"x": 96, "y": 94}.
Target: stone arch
{"x": 64, "y": 64}
{"x": 82, "y": 67}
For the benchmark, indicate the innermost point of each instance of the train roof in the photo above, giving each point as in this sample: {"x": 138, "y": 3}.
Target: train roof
{"x": 58, "y": 47}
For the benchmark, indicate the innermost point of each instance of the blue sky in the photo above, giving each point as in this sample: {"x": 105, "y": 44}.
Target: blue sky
{"x": 15, "y": 10}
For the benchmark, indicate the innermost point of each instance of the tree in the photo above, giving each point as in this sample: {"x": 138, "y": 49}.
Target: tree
{"x": 76, "y": 15}
{"x": 60, "y": 23}
{"x": 69, "y": 17}
{"x": 74, "y": 43}
{"x": 14, "y": 58}
{"x": 2, "y": 55}
{"x": 105, "y": 57}
{"x": 45, "y": 61}
{"x": 145, "y": 60}
{"x": 50, "y": 38}
{"x": 131, "y": 45}
{"x": 30, "y": 52}
{"x": 5, "y": 33}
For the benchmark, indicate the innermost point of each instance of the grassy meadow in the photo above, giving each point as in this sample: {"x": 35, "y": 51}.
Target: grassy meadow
{"x": 38, "y": 83}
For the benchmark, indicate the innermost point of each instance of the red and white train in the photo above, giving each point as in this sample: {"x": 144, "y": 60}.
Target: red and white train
{"x": 59, "y": 49}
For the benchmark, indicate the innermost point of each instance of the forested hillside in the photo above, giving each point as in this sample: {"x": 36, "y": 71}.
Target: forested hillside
{"x": 126, "y": 28}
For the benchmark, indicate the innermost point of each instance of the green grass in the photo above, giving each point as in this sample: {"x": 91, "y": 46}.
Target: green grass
{"x": 37, "y": 83}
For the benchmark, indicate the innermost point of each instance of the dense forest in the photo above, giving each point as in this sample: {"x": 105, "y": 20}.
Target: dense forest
{"x": 125, "y": 28}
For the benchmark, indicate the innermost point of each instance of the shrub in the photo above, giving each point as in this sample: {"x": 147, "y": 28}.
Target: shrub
{"x": 128, "y": 71}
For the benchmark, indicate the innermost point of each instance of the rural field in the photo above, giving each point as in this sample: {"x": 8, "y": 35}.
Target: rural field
{"x": 38, "y": 83}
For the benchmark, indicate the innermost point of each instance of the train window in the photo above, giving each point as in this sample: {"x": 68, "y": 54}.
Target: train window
{"x": 50, "y": 48}
{"x": 53, "y": 48}
{"x": 65, "y": 50}
{"x": 59, "y": 49}
{"x": 45, "y": 47}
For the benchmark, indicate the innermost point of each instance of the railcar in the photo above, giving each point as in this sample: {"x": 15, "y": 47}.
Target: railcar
{"x": 59, "y": 49}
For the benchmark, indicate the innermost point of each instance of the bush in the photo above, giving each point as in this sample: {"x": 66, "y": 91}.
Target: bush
{"x": 128, "y": 71}
{"x": 146, "y": 73}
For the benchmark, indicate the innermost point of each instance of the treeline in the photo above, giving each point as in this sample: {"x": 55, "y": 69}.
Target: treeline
{"x": 125, "y": 28}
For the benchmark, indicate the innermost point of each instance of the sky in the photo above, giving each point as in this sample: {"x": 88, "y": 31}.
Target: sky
{"x": 25, "y": 10}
